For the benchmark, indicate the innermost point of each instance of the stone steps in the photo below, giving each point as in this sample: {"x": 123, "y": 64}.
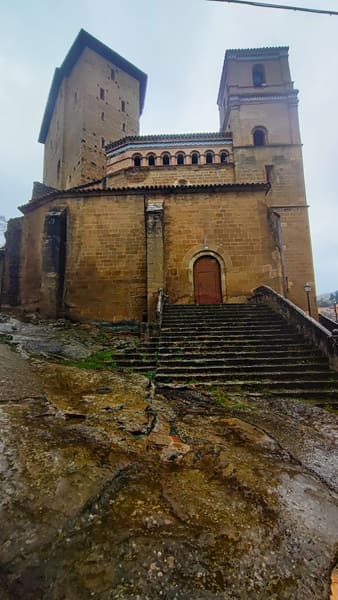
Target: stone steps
{"x": 258, "y": 339}
{"x": 262, "y": 384}
{"x": 241, "y": 367}
{"x": 243, "y": 357}
{"x": 246, "y": 374}
{"x": 234, "y": 348}
{"x": 142, "y": 358}
{"x": 244, "y": 349}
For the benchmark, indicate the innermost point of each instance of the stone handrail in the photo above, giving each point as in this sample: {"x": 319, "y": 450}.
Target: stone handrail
{"x": 328, "y": 323}
{"x": 161, "y": 300}
{"x": 306, "y": 326}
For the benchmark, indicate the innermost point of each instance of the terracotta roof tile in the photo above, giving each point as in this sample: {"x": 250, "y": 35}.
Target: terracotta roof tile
{"x": 169, "y": 137}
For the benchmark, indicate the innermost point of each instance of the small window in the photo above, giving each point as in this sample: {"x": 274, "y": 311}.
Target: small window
{"x": 180, "y": 159}
{"x": 103, "y": 143}
{"x": 123, "y": 106}
{"x": 194, "y": 158}
{"x": 258, "y": 75}
{"x": 123, "y": 126}
{"x": 102, "y": 94}
{"x": 270, "y": 173}
{"x": 166, "y": 159}
{"x": 151, "y": 160}
{"x": 112, "y": 74}
{"x": 259, "y": 138}
{"x": 209, "y": 158}
{"x": 137, "y": 161}
{"x": 224, "y": 158}
{"x": 75, "y": 97}
{"x": 58, "y": 168}
{"x": 102, "y": 116}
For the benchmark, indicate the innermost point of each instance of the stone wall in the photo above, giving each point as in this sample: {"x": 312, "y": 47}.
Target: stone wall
{"x": 106, "y": 266}
{"x": 11, "y": 264}
{"x": 83, "y": 122}
{"x": 105, "y": 276}
{"x": 173, "y": 175}
{"x": 233, "y": 227}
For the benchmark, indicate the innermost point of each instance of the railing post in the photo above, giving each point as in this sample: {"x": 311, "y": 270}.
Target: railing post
{"x": 161, "y": 300}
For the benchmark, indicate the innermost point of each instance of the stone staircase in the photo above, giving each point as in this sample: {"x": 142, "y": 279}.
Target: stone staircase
{"x": 243, "y": 348}
{"x": 142, "y": 358}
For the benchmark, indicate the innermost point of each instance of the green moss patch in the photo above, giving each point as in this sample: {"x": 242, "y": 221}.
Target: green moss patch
{"x": 98, "y": 361}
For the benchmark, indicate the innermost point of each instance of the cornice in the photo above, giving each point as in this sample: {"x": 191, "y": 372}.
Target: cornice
{"x": 145, "y": 190}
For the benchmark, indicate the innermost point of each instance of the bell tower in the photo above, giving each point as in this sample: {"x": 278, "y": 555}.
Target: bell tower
{"x": 259, "y": 106}
{"x": 256, "y": 94}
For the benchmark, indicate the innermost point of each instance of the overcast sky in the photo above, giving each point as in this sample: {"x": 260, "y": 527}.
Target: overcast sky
{"x": 180, "y": 44}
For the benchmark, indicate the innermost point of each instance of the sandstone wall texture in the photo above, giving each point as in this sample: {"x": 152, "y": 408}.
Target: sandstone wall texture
{"x": 173, "y": 175}
{"x": 106, "y": 275}
{"x": 96, "y": 104}
{"x": 105, "y": 271}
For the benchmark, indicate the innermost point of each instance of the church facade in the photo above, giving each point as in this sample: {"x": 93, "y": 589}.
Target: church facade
{"x": 206, "y": 217}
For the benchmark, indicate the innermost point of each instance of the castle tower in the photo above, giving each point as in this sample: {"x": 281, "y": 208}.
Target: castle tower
{"x": 96, "y": 97}
{"x": 259, "y": 105}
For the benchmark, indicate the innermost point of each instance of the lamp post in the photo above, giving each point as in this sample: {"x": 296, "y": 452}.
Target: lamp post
{"x": 307, "y": 290}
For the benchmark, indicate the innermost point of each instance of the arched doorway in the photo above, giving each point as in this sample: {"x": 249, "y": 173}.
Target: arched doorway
{"x": 207, "y": 281}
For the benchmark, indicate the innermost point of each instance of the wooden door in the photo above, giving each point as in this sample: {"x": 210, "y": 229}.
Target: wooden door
{"x": 207, "y": 281}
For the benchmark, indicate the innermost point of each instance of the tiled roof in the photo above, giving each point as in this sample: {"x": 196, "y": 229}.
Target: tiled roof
{"x": 82, "y": 41}
{"x": 40, "y": 189}
{"x": 255, "y": 50}
{"x": 168, "y": 137}
{"x": 146, "y": 189}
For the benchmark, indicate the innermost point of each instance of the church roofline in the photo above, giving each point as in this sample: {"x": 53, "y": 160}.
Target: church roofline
{"x": 169, "y": 137}
{"x": 85, "y": 40}
{"x": 258, "y": 53}
{"x": 142, "y": 190}
{"x": 266, "y": 49}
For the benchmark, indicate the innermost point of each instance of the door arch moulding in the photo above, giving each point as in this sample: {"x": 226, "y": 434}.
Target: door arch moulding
{"x": 197, "y": 252}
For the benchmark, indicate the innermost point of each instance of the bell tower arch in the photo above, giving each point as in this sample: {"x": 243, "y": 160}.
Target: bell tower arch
{"x": 256, "y": 89}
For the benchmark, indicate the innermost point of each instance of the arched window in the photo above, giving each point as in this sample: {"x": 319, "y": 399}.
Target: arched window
{"x": 137, "y": 160}
{"x": 151, "y": 160}
{"x": 194, "y": 158}
{"x": 180, "y": 159}
{"x": 209, "y": 158}
{"x": 165, "y": 159}
{"x": 224, "y": 157}
{"x": 258, "y": 75}
{"x": 259, "y": 137}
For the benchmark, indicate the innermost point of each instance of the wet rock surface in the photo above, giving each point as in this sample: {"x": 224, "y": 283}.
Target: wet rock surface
{"x": 112, "y": 491}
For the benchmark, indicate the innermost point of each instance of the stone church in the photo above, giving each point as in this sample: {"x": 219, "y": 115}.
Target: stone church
{"x": 206, "y": 217}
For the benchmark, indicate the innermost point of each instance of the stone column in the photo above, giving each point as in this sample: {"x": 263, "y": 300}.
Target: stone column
{"x": 10, "y": 288}
{"x": 276, "y": 228}
{"x": 155, "y": 256}
{"x": 53, "y": 262}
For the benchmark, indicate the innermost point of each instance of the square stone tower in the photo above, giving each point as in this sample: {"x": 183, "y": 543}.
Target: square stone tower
{"x": 259, "y": 106}
{"x": 96, "y": 97}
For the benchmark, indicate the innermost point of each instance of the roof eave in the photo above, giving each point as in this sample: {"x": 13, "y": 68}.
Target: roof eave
{"x": 141, "y": 190}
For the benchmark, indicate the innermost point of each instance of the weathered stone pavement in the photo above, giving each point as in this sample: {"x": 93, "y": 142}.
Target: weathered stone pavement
{"x": 110, "y": 491}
